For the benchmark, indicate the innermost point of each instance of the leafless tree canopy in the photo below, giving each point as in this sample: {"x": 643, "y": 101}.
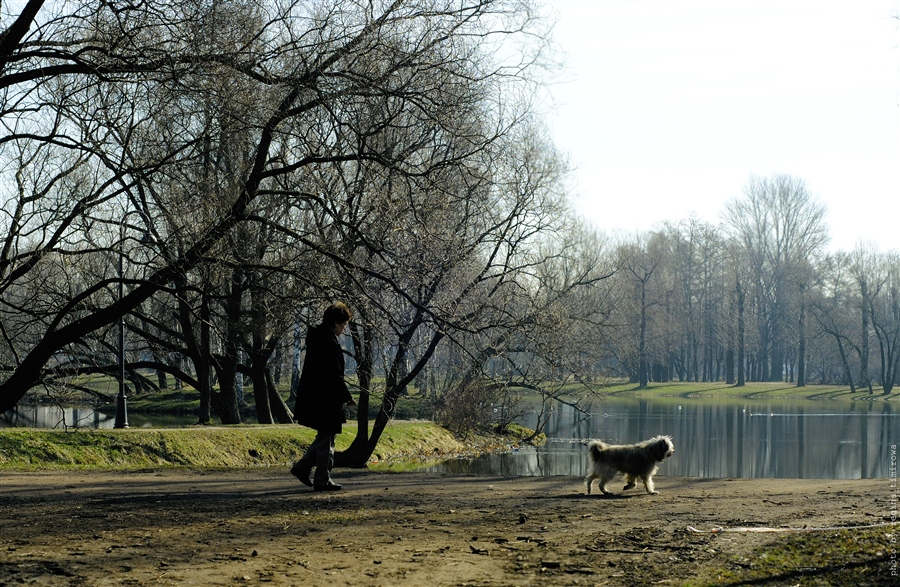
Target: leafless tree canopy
{"x": 215, "y": 173}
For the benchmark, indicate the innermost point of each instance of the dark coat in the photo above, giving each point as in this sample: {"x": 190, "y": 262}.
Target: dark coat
{"x": 322, "y": 392}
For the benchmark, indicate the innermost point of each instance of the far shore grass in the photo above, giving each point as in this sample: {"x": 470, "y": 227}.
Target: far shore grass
{"x": 754, "y": 390}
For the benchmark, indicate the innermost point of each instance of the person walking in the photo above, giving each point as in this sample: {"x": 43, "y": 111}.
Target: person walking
{"x": 321, "y": 395}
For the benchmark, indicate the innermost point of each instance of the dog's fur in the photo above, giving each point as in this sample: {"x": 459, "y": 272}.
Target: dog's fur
{"x": 634, "y": 461}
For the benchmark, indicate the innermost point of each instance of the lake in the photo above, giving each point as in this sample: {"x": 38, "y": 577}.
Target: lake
{"x": 715, "y": 438}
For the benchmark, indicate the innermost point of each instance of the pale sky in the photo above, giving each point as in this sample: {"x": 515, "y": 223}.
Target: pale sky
{"x": 667, "y": 107}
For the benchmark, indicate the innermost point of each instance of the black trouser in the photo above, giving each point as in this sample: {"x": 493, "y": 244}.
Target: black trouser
{"x": 321, "y": 454}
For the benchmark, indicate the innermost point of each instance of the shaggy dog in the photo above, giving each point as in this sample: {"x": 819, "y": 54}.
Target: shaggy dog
{"x": 634, "y": 461}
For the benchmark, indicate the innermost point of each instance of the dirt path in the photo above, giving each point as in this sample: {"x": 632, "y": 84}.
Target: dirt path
{"x": 261, "y": 526}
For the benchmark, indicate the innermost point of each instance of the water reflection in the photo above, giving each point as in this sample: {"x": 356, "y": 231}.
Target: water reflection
{"x": 55, "y": 417}
{"x": 774, "y": 439}
{"x": 83, "y": 417}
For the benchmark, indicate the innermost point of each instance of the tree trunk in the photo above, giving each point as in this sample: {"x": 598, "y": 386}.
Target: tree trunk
{"x": 741, "y": 376}
{"x": 295, "y": 364}
{"x": 197, "y": 341}
{"x": 642, "y": 343}
{"x": 258, "y": 372}
{"x": 226, "y": 367}
{"x": 203, "y": 364}
{"x": 225, "y": 402}
{"x": 801, "y": 351}
{"x": 846, "y": 363}
{"x": 729, "y": 366}
{"x": 280, "y": 410}
{"x": 864, "y": 377}
{"x": 359, "y": 451}
{"x": 362, "y": 447}
{"x": 777, "y": 372}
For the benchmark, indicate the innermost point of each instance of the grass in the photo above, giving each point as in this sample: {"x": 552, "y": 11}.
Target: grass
{"x": 755, "y": 390}
{"x": 186, "y": 401}
{"x": 846, "y": 557}
{"x": 206, "y": 447}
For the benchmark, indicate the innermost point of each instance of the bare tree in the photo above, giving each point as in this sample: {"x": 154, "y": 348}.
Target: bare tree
{"x": 886, "y": 321}
{"x": 831, "y": 309}
{"x": 640, "y": 262}
{"x": 143, "y": 76}
{"x": 876, "y": 277}
{"x": 863, "y": 265}
{"x": 781, "y": 227}
{"x": 444, "y": 261}
{"x": 694, "y": 269}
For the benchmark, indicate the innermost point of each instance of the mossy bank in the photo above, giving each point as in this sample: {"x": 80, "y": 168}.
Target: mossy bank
{"x": 208, "y": 447}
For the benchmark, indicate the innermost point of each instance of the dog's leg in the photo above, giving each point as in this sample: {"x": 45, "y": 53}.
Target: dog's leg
{"x": 648, "y": 485}
{"x": 588, "y": 480}
{"x": 606, "y": 478}
{"x": 629, "y": 480}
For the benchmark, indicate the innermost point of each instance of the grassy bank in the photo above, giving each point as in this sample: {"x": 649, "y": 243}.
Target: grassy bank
{"x": 774, "y": 390}
{"x": 219, "y": 447}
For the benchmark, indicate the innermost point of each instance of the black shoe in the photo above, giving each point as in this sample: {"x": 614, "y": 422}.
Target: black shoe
{"x": 302, "y": 475}
{"x": 328, "y": 487}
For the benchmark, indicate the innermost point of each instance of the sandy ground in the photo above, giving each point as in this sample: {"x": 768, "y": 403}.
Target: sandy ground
{"x": 252, "y": 527}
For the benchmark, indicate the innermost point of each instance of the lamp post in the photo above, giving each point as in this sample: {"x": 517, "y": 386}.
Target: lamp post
{"x": 121, "y": 401}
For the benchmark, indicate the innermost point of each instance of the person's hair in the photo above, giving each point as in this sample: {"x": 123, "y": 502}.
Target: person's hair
{"x": 336, "y": 313}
